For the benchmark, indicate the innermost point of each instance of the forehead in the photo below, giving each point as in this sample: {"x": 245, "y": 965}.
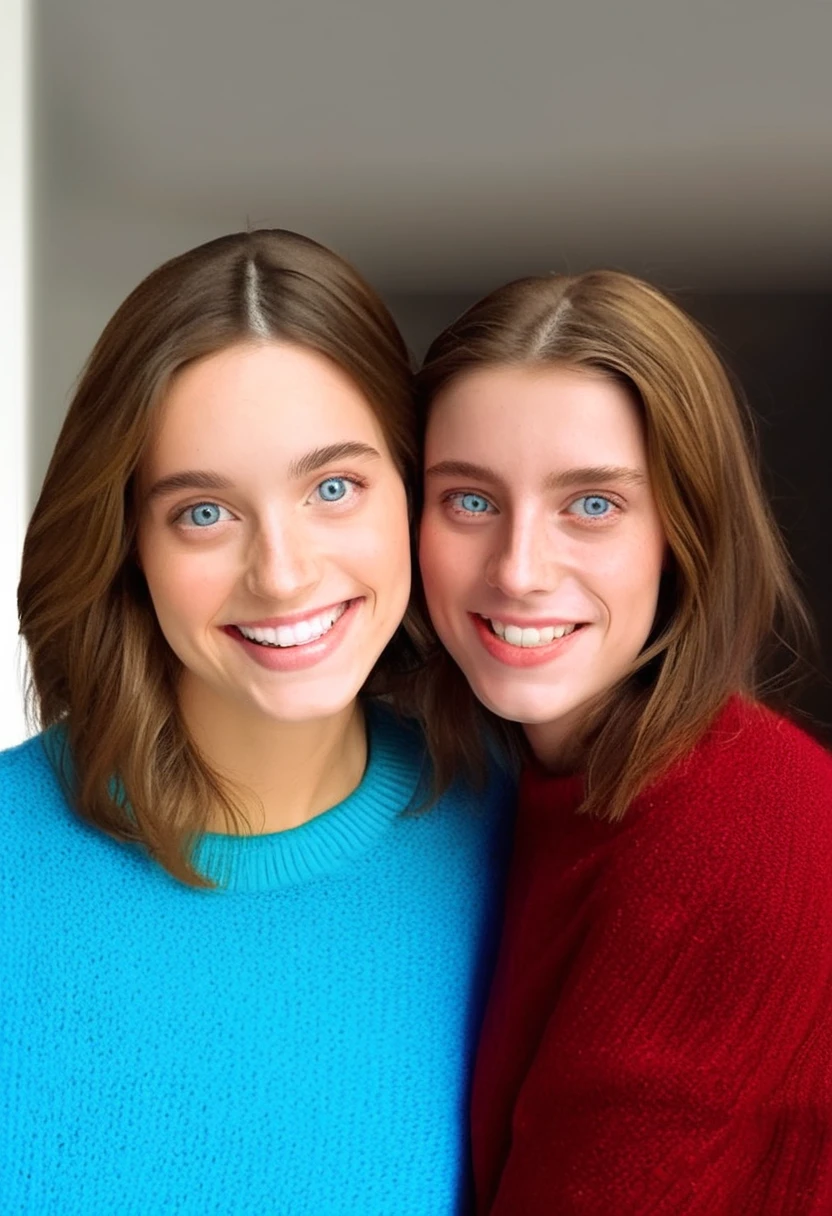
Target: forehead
{"x": 254, "y": 400}
{"x": 536, "y": 418}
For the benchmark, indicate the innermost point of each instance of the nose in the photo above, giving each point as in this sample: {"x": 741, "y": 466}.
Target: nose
{"x": 524, "y": 560}
{"x": 281, "y": 562}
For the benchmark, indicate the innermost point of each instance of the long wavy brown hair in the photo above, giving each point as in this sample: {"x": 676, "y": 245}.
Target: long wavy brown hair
{"x": 99, "y": 663}
{"x": 730, "y": 615}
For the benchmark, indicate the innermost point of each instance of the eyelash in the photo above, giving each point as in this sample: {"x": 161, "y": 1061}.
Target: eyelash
{"x": 453, "y": 496}
{"x": 352, "y": 479}
{"x": 449, "y": 501}
{"x": 596, "y": 521}
{"x": 358, "y": 483}
{"x": 179, "y": 516}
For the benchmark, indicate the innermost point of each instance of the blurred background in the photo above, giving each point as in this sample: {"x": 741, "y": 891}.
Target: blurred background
{"x": 444, "y": 147}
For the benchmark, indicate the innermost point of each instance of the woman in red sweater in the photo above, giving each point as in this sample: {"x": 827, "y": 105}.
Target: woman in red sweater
{"x": 600, "y": 562}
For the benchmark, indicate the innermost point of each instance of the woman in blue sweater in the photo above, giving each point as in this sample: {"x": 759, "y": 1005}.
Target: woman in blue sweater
{"x": 238, "y": 975}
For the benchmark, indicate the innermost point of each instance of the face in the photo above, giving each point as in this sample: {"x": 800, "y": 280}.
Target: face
{"x": 273, "y": 533}
{"x": 541, "y": 545}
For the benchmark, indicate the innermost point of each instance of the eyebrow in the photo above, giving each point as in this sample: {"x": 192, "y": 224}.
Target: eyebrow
{"x": 587, "y": 474}
{"x": 317, "y": 458}
{"x": 204, "y": 479}
{"x": 189, "y": 479}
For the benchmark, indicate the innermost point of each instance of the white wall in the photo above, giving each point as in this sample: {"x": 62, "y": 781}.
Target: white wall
{"x": 14, "y": 248}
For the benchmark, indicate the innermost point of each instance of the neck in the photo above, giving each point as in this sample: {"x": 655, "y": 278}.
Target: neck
{"x": 557, "y": 745}
{"x": 561, "y": 744}
{"x": 280, "y": 774}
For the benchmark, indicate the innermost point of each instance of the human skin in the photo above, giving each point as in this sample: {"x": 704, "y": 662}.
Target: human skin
{"x": 269, "y": 501}
{"x": 539, "y": 514}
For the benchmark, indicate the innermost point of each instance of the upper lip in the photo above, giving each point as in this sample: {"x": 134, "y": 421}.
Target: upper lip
{"x": 541, "y": 622}
{"x": 293, "y": 618}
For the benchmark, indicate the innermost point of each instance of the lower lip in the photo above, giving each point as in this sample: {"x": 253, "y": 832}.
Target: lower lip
{"x": 296, "y": 658}
{"x": 522, "y": 656}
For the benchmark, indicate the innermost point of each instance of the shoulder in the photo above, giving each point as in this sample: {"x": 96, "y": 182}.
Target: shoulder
{"x": 737, "y": 837}
{"x": 749, "y": 731}
{"x": 35, "y": 815}
{"x": 716, "y": 887}
{"x": 28, "y": 769}
{"x": 752, "y": 766}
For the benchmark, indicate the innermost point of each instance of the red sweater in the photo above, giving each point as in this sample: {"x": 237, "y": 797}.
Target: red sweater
{"x": 659, "y": 1034}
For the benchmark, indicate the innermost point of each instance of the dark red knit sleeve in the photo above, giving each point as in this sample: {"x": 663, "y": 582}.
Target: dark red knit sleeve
{"x": 686, "y": 1063}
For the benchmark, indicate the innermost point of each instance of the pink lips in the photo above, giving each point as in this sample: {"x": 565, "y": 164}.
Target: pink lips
{"x": 522, "y": 656}
{"x": 295, "y": 658}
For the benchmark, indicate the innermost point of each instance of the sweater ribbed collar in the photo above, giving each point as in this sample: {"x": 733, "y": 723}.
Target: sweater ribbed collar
{"x": 324, "y": 844}
{"x": 544, "y": 792}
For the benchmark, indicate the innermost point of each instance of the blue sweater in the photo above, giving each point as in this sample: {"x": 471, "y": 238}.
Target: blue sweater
{"x": 297, "y": 1042}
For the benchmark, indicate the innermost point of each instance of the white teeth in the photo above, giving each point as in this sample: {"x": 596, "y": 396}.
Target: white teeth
{"x": 298, "y": 634}
{"x": 515, "y": 636}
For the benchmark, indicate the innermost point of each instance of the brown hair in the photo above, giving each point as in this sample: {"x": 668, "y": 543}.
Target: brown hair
{"x": 728, "y": 597}
{"x": 99, "y": 662}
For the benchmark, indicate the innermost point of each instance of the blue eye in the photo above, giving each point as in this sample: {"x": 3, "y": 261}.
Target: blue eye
{"x": 333, "y": 489}
{"x": 592, "y": 506}
{"x": 472, "y": 504}
{"x": 205, "y": 514}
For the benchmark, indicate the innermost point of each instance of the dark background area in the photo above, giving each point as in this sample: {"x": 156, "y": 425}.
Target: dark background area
{"x": 778, "y": 347}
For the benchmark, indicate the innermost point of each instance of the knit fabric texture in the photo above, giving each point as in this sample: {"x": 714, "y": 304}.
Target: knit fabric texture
{"x": 659, "y": 1033}
{"x": 299, "y": 1041}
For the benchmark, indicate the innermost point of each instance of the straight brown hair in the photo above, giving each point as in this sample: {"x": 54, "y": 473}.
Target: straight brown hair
{"x": 729, "y": 608}
{"x": 100, "y": 665}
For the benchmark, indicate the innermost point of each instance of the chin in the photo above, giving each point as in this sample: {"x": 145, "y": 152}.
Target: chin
{"x": 316, "y": 705}
{"x": 298, "y": 712}
{"x": 522, "y": 707}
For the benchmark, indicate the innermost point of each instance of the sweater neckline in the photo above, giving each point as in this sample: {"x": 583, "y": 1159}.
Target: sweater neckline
{"x": 547, "y": 792}
{"x": 321, "y": 846}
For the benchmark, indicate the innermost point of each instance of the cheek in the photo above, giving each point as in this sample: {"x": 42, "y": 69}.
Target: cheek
{"x": 633, "y": 579}
{"x": 378, "y": 551}
{"x": 184, "y": 586}
{"x": 449, "y": 562}
{"x": 446, "y": 575}
{"x": 433, "y": 546}
{"x": 391, "y": 534}
{"x": 430, "y": 553}
{"x": 386, "y": 564}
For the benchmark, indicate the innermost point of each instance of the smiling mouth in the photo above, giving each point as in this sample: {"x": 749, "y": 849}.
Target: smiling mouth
{"x": 528, "y": 637}
{"x": 301, "y": 633}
